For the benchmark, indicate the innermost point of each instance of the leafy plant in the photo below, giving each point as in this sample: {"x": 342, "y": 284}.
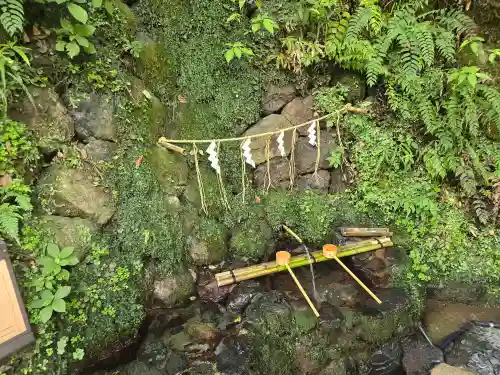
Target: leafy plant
{"x": 12, "y": 72}
{"x": 49, "y": 302}
{"x": 12, "y": 16}
{"x": 264, "y": 21}
{"x": 14, "y": 202}
{"x": 236, "y": 50}
{"x": 56, "y": 259}
{"x": 77, "y": 37}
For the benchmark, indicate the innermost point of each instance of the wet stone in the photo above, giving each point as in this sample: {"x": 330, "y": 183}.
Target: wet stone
{"x": 477, "y": 350}
{"x": 419, "y": 356}
{"x": 393, "y": 300}
{"x": 242, "y": 295}
{"x": 387, "y": 360}
{"x": 271, "y": 308}
{"x": 232, "y": 356}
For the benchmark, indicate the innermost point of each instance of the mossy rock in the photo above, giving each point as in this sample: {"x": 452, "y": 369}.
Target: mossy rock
{"x": 70, "y": 232}
{"x": 356, "y": 86}
{"x": 72, "y": 192}
{"x": 208, "y": 242}
{"x": 170, "y": 169}
{"x": 156, "y": 68}
{"x": 174, "y": 289}
{"x": 251, "y": 240}
{"x": 128, "y": 15}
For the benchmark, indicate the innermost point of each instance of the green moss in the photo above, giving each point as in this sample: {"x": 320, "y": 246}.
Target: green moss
{"x": 145, "y": 227}
{"x": 214, "y": 236}
{"x": 128, "y": 15}
{"x": 309, "y": 214}
{"x": 170, "y": 169}
{"x": 251, "y": 239}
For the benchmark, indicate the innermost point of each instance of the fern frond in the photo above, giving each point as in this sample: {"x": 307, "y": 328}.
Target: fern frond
{"x": 358, "y": 22}
{"x": 427, "y": 113}
{"x": 426, "y": 44}
{"x": 445, "y": 45}
{"x": 456, "y": 21}
{"x": 9, "y": 221}
{"x": 471, "y": 116}
{"x": 480, "y": 209}
{"x": 466, "y": 180}
{"x": 492, "y": 98}
{"x": 454, "y": 115}
{"x": 12, "y": 16}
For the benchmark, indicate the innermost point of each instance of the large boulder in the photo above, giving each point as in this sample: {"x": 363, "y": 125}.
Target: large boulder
{"x": 298, "y": 111}
{"x": 419, "y": 357}
{"x": 171, "y": 169}
{"x": 48, "y": 118}
{"x": 258, "y": 145}
{"x": 72, "y": 232}
{"x": 174, "y": 289}
{"x": 94, "y": 117}
{"x": 379, "y": 266}
{"x": 355, "y": 84}
{"x": 315, "y": 181}
{"x": 72, "y": 192}
{"x": 306, "y": 154}
{"x": 279, "y": 173}
{"x": 276, "y": 98}
{"x": 208, "y": 242}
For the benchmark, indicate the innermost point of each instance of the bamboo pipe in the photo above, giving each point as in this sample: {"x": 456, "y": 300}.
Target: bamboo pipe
{"x": 263, "y": 269}
{"x": 365, "y": 232}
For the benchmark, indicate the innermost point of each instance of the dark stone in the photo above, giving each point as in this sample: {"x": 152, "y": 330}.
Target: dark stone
{"x": 276, "y": 98}
{"x": 279, "y": 171}
{"x": 379, "y": 266}
{"x": 94, "y": 117}
{"x": 419, "y": 357}
{"x": 242, "y": 295}
{"x": 271, "y": 308}
{"x": 319, "y": 181}
{"x": 139, "y": 368}
{"x": 208, "y": 290}
{"x": 305, "y": 154}
{"x": 299, "y": 111}
{"x": 477, "y": 350}
{"x": 387, "y": 360}
{"x": 99, "y": 150}
{"x": 393, "y": 300}
{"x": 337, "y": 183}
{"x": 232, "y": 355}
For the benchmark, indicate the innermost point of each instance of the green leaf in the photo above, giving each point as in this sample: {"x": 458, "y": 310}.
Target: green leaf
{"x": 237, "y": 52}
{"x": 61, "y": 345}
{"x": 229, "y": 55}
{"x": 63, "y": 275}
{"x": 109, "y": 6}
{"x": 73, "y": 49}
{"x": 70, "y": 261}
{"x": 247, "y": 51}
{"x": 47, "y": 295}
{"x": 46, "y": 314}
{"x": 37, "y": 304}
{"x": 242, "y": 3}
{"x": 62, "y": 292}
{"x": 84, "y": 30}
{"x": 268, "y": 25}
{"x": 78, "y": 12}
{"x": 472, "y": 79}
{"x": 90, "y": 49}
{"x": 53, "y": 250}
{"x": 59, "y": 305}
{"x": 23, "y": 201}
{"x": 255, "y": 27}
{"x": 67, "y": 25}
{"x": 60, "y": 44}
{"x": 475, "y": 48}
{"x": 50, "y": 266}
{"x": 97, "y": 3}
{"x": 66, "y": 252}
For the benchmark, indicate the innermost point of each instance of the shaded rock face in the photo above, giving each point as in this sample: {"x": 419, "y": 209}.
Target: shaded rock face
{"x": 258, "y": 145}
{"x": 232, "y": 355}
{"x": 477, "y": 350}
{"x": 445, "y": 369}
{"x": 378, "y": 266}
{"x": 98, "y": 150}
{"x": 170, "y": 168}
{"x": 94, "y": 117}
{"x": 319, "y": 181}
{"x": 48, "y": 119}
{"x": 173, "y": 290}
{"x": 276, "y": 98}
{"x": 298, "y": 111}
{"x": 71, "y": 232}
{"x": 242, "y": 295}
{"x": 387, "y": 360}
{"x": 305, "y": 154}
{"x": 207, "y": 242}
{"x": 71, "y": 192}
{"x": 457, "y": 292}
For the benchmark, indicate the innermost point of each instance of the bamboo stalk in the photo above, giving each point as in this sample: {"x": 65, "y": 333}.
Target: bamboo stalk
{"x": 267, "y": 268}
{"x": 365, "y": 232}
{"x": 360, "y": 111}
{"x": 171, "y": 147}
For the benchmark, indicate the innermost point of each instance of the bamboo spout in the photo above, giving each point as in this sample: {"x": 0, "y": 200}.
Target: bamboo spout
{"x": 263, "y": 269}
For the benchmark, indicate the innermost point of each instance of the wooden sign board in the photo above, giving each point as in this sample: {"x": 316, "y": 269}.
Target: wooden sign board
{"x": 15, "y": 331}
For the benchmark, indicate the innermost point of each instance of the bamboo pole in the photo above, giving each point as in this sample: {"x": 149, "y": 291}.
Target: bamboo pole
{"x": 365, "y": 232}
{"x": 308, "y": 300}
{"x": 267, "y": 268}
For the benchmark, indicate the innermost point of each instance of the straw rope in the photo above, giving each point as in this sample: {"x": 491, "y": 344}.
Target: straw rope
{"x": 199, "y": 179}
{"x": 222, "y": 189}
{"x": 318, "y": 151}
{"x": 243, "y": 173}
{"x": 292, "y": 159}
{"x": 267, "y": 184}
